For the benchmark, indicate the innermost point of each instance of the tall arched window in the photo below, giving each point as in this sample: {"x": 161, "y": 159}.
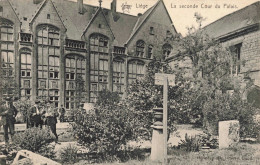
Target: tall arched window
{"x": 48, "y": 40}
{"x": 140, "y": 48}
{"x": 135, "y": 70}
{"x": 98, "y": 64}
{"x": 150, "y": 52}
{"x": 75, "y": 72}
{"x": 118, "y": 75}
{"x": 26, "y": 76}
{"x": 7, "y": 48}
{"x": 7, "y": 51}
{"x": 167, "y": 48}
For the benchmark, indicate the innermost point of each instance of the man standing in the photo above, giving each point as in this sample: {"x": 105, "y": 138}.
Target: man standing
{"x": 51, "y": 115}
{"x": 8, "y": 118}
{"x": 62, "y": 113}
{"x": 35, "y": 115}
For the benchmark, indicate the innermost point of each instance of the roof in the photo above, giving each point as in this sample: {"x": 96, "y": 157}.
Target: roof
{"x": 23, "y": 10}
{"x": 141, "y": 20}
{"x": 74, "y": 22}
{"x": 235, "y": 21}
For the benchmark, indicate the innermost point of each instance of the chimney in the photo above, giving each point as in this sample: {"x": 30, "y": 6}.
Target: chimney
{"x": 113, "y": 6}
{"x": 113, "y": 10}
{"x": 80, "y": 6}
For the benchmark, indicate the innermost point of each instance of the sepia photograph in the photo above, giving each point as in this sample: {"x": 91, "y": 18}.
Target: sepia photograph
{"x": 129, "y": 82}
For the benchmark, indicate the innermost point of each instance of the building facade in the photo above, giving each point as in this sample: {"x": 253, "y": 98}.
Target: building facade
{"x": 239, "y": 31}
{"x": 51, "y": 48}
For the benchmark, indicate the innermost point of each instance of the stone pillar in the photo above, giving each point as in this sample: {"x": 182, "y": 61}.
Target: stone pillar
{"x": 2, "y": 159}
{"x": 228, "y": 133}
{"x": 157, "y": 137}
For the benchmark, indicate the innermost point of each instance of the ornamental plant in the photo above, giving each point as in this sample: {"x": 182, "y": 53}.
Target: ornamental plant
{"x": 36, "y": 140}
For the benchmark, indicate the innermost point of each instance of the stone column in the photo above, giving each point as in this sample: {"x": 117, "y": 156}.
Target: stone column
{"x": 157, "y": 137}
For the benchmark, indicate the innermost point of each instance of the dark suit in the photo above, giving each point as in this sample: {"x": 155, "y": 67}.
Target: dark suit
{"x": 35, "y": 117}
{"x": 51, "y": 115}
{"x": 8, "y": 120}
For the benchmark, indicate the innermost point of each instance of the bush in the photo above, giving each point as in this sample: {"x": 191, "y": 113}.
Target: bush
{"x": 106, "y": 132}
{"x": 230, "y": 107}
{"x": 190, "y": 143}
{"x": 69, "y": 154}
{"x": 36, "y": 140}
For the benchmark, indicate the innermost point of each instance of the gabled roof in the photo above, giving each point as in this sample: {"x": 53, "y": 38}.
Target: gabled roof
{"x": 123, "y": 28}
{"x": 141, "y": 20}
{"x": 23, "y": 10}
{"x": 235, "y": 21}
{"x": 93, "y": 18}
{"x": 77, "y": 23}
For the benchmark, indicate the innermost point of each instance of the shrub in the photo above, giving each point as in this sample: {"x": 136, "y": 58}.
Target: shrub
{"x": 36, "y": 140}
{"x": 230, "y": 107}
{"x": 69, "y": 154}
{"x": 190, "y": 143}
{"x": 104, "y": 132}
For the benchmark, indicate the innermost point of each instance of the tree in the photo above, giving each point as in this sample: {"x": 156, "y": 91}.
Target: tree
{"x": 210, "y": 80}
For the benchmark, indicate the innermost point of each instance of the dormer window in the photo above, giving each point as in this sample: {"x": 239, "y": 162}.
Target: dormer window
{"x": 167, "y": 48}
{"x": 168, "y": 34}
{"x": 151, "y": 30}
{"x": 1, "y": 10}
{"x": 150, "y": 52}
{"x": 140, "y": 45}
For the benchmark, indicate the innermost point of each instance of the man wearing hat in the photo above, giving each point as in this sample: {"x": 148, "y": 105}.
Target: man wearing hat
{"x": 8, "y": 118}
{"x": 35, "y": 115}
{"x": 51, "y": 115}
{"x": 80, "y": 114}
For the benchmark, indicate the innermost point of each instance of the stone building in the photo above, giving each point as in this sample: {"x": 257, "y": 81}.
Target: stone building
{"x": 240, "y": 31}
{"x": 49, "y": 46}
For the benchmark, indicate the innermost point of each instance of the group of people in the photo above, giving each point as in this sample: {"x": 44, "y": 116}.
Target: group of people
{"x": 37, "y": 116}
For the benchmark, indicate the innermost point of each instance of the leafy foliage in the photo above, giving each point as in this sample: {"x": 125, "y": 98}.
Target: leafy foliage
{"x": 69, "y": 154}
{"x": 190, "y": 143}
{"x": 106, "y": 131}
{"x": 204, "y": 75}
{"x": 35, "y": 140}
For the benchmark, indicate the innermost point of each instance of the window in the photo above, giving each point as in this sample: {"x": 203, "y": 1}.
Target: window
{"x": 150, "y": 52}
{"x": 168, "y": 34}
{"x": 98, "y": 64}
{"x": 167, "y": 48}
{"x": 75, "y": 71}
{"x": 135, "y": 70}
{"x": 26, "y": 62}
{"x": 140, "y": 46}
{"x": 48, "y": 39}
{"x": 151, "y": 30}
{"x": 25, "y": 18}
{"x": 26, "y": 66}
{"x": 236, "y": 62}
{"x": 7, "y": 52}
{"x": 48, "y": 16}
{"x": 118, "y": 75}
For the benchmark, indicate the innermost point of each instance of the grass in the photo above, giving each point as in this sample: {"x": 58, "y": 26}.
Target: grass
{"x": 241, "y": 154}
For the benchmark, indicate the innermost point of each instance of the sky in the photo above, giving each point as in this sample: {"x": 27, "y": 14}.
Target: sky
{"x": 181, "y": 11}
